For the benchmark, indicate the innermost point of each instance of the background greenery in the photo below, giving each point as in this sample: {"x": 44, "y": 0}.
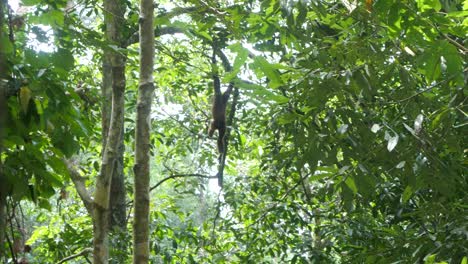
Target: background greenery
{"x": 348, "y": 143}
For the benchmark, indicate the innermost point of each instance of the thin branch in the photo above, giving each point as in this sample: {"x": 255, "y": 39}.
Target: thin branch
{"x": 82, "y": 253}
{"x": 181, "y": 176}
{"x": 280, "y": 200}
{"x": 426, "y": 89}
{"x": 454, "y": 42}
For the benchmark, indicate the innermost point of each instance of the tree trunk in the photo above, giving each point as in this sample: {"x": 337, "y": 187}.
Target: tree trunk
{"x": 115, "y": 23}
{"x": 3, "y": 112}
{"x": 142, "y": 136}
{"x": 114, "y": 13}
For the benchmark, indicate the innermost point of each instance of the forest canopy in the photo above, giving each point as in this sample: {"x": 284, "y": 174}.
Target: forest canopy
{"x": 237, "y": 131}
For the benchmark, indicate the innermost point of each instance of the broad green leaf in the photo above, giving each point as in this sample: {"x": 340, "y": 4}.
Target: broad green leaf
{"x": 56, "y": 18}
{"x": 53, "y": 18}
{"x": 242, "y": 55}
{"x": 30, "y": 2}
{"x": 24, "y": 97}
{"x": 269, "y": 70}
{"x": 453, "y": 61}
{"x": 351, "y": 184}
{"x": 38, "y": 233}
{"x": 430, "y": 259}
{"x": 362, "y": 81}
{"x": 262, "y": 92}
{"x": 63, "y": 59}
{"x": 287, "y": 118}
{"x": 407, "y": 193}
{"x": 5, "y": 45}
{"x": 437, "y": 119}
{"x": 464, "y": 260}
{"x": 429, "y": 4}
{"x": 463, "y": 13}
{"x": 44, "y": 203}
{"x": 394, "y": 17}
{"x": 432, "y": 64}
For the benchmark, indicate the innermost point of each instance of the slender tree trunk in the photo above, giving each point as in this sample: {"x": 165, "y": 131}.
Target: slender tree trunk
{"x": 3, "y": 112}
{"x": 113, "y": 15}
{"x": 114, "y": 32}
{"x": 142, "y": 136}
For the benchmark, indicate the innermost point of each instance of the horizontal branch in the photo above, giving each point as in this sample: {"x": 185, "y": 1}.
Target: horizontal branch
{"x": 84, "y": 252}
{"x": 182, "y": 176}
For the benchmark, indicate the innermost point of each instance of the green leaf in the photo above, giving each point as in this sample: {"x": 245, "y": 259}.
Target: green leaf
{"x": 44, "y": 203}
{"x": 431, "y": 64}
{"x": 407, "y": 193}
{"x": 63, "y": 59}
{"x": 53, "y": 18}
{"x": 261, "y": 92}
{"x": 270, "y": 71}
{"x": 464, "y": 260}
{"x": 394, "y": 17}
{"x": 437, "y": 119}
{"x": 453, "y": 61}
{"x": 463, "y": 13}
{"x": 30, "y": 2}
{"x": 5, "y": 44}
{"x": 242, "y": 55}
{"x": 429, "y": 4}
{"x": 56, "y": 18}
{"x": 351, "y": 184}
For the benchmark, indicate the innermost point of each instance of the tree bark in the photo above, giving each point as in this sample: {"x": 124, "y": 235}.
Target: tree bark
{"x": 142, "y": 136}
{"x": 114, "y": 13}
{"x": 3, "y": 112}
{"x": 114, "y": 74}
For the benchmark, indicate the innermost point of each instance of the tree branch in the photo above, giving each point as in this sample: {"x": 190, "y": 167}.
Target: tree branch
{"x": 79, "y": 182}
{"x": 181, "y": 176}
{"x": 84, "y": 252}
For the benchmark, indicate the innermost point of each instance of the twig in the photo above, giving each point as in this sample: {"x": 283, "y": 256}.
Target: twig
{"x": 181, "y": 176}
{"x": 84, "y": 252}
{"x": 280, "y": 200}
{"x": 425, "y": 90}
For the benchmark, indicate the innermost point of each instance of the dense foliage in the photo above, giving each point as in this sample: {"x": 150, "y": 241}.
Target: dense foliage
{"x": 348, "y": 143}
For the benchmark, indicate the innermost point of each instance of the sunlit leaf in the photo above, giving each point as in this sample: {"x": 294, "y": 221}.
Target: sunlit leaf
{"x": 407, "y": 193}
{"x": 429, "y": 4}
{"x": 24, "y": 98}
{"x": 392, "y": 142}
{"x": 401, "y": 164}
{"x": 375, "y": 128}
{"x": 343, "y": 128}
{"x": 418, "y": 123}
{"x": 30, "y": 2}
